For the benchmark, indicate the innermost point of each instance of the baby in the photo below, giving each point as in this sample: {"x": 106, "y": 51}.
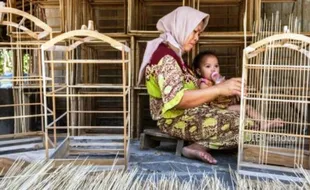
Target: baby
{"x": 207, "y": 68}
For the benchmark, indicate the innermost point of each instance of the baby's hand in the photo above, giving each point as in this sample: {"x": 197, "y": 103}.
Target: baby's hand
{"x": 204, "y": 83}
{"x": 235, "y": 100}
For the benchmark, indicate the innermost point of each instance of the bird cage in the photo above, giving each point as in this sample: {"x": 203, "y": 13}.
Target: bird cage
{"x": 79, "y": 90}
{"x": 22, "y": 109}
{"x": 287, "y": 7}
{"x": 60, "y": 15}
{"x": 52, "y": 12}
{"x": 144, "y": 14}
{"x": 110, "y": 16}
{"x": 276, "y": 73}
{"x": 225, "y": 15}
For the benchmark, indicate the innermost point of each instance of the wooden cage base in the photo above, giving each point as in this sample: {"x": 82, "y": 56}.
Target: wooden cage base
{"x": 104, "y": 164}
{"x": 275, "y": 156}
{"x": 78, "y": 151}
{"x": 21, "y": 142}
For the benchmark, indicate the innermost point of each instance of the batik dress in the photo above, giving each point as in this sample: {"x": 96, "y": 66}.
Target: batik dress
{"x": 167, "y": 78}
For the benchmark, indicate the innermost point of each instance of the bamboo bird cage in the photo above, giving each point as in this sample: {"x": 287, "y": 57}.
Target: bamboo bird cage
{"x": 144, "y": 14}
{"x": 27, "y": 83}
{"x": 60, "y": 15}
{"x": 80, "y": 95}
{"x": 110, "y": 15}
{"x": 291, "y": 6}
{"x": 276, "y": 71}
{"x": 226, "y": 15}
{"x": 52, "y": 12}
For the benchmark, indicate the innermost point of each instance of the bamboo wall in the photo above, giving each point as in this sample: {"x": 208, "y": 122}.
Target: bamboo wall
{"x": 133, "y": 22}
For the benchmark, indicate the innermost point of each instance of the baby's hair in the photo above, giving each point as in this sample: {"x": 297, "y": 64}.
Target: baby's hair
{"x": 199, "y": 57}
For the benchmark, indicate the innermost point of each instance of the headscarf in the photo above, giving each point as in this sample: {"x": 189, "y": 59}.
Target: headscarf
{"x": 175, "y": 28}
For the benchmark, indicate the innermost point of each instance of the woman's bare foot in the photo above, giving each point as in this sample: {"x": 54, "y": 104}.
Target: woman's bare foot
{"x": 196, "y": 151}
{"x": 273, "y": 123}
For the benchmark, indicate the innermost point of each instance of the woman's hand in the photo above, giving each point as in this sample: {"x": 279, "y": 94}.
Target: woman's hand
{"x": 230, "y": 87}
{"x": 194, "y": 98}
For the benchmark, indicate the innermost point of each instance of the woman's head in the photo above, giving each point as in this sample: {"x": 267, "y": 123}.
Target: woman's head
{"x": 180, "y": 29}
{"x": 184, "y": 24}
{"x": 205, "y": 63}
{"x": 193, "y": 38}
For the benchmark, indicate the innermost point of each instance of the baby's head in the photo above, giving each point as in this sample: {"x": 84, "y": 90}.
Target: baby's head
{"x": 205, "y": 63}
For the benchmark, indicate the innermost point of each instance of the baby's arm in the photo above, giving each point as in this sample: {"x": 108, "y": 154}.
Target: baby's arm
{"x": 265, "y": 124}
{"x": 250, "y": 111}
{"x": 235, "y": 108}
{"x": 253, "y": 114}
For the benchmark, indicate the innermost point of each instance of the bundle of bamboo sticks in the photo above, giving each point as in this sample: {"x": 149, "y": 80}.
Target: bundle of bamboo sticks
{"x": 43, "y": 175}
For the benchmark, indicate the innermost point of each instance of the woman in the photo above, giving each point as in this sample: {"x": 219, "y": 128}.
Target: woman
{"x": 179, "y": 106}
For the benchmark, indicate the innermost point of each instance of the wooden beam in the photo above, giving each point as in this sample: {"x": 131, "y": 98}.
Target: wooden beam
{"x": 278, "y": 1}
{"x": 20, "y": 141}
{"x": 17, "y": 135}
{"x": 275, "y": 156}
{"x": 59, "y": 162}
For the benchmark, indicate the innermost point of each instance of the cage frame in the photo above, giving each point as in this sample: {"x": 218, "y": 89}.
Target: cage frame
{"x": 87, "y": 36}
{"x": 20, "y": 44}
{"x": 249, "y": 52}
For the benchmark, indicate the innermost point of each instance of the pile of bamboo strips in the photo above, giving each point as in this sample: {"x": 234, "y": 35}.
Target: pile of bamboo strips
{"x": 45, "y": 175}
